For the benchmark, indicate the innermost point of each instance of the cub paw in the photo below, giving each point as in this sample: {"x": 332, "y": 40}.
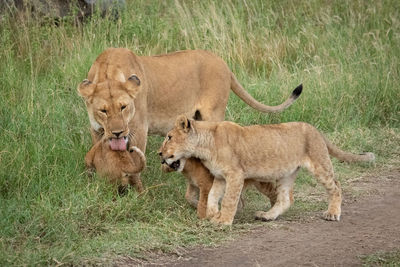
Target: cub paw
{"x": 90, "y": 171}
{"x": 165, "y": 168}
{"x": 331, "y": 217}
{"x": 264, "y": 216}
{"x": 212, "y": 211}
{"x": 213, "y": 214}
{"x": 221, "y": 221}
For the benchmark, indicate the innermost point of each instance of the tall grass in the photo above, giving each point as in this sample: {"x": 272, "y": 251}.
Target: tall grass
{"x": 346, "y": 54}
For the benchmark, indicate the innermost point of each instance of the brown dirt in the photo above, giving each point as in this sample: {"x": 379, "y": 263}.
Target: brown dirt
{"x": 370, "y": 223}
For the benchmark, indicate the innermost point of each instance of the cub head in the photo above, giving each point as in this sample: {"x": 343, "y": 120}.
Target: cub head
{"x": 178, "y": 144}
{"x": 110, "y": 106}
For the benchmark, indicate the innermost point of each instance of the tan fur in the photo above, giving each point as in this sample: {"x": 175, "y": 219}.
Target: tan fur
{"x": 267, "y": 153}
{"x": 156, "y": 89}
{"x": 202, "y": 182}
{"x": 116, "y": 166}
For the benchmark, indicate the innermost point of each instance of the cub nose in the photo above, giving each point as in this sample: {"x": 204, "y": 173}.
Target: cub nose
{"x": 117, "y": 133}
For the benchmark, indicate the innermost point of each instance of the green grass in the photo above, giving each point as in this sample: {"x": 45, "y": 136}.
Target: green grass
{"x": 346, "y": 54}
{"x": 388, "y": 259}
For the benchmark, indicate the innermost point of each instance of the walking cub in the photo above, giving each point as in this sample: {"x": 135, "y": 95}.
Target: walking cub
{"x": 266, "y": 153}
{"x": 202, "y": 182}
{"x": 116, "y": 165}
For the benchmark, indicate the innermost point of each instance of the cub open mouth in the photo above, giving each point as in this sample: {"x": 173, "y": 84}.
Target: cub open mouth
{"x": 119, "y": 144}
{"x": 175, "y": 165}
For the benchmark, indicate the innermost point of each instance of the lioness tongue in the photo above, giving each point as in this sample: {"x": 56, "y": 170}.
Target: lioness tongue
{"x": 118, "y": 144}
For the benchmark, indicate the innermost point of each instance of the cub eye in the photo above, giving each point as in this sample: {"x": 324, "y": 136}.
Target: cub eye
{"x": 123, "y": 107}
{"x": 103, "y": 111}
{"x": 169, "y": 137}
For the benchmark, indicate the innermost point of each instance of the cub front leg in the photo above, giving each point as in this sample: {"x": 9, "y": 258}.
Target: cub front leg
{"x": 233, "y": 190}
{"x": 202, "y": 204}
{"x": 215, "y": 194}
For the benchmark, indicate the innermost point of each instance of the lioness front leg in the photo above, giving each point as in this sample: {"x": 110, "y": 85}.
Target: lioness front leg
{"x": 233, "y": 190}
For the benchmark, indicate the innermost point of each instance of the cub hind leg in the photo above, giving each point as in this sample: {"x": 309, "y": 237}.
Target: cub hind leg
{"x": 269, "y": 189}
{"x": 283, "y": 199}
{"x": 200, "y": 182}
{"x": 322, "y": 169}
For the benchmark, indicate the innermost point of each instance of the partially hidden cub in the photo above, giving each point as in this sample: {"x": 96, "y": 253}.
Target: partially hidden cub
{"x": 265, "y": 153}
{"x": 116, "y": 165}
{"x": 203, "y": 181}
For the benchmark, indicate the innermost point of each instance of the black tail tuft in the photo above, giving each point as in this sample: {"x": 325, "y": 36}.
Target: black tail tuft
{"x": 297, "y": 92}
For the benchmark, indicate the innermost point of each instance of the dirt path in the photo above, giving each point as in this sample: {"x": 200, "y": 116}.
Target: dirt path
{"x": 370, "y": 223}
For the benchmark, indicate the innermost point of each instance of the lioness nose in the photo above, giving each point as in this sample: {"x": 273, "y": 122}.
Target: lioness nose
{"x": 117, "y": 134}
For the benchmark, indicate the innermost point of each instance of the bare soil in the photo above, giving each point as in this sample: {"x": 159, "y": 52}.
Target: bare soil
{"x": 370, "y": 223}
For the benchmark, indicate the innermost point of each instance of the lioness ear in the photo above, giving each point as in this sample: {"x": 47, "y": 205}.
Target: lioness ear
{"x": 86, "y": 88}
{"x": 132, "y": 85}
{"x": 183, "y": 123}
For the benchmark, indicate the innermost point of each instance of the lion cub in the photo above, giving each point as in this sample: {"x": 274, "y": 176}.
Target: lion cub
{"x": 203, "y": 181}
{"x": 266, "y": 153}
{"x": 118, "y": 166}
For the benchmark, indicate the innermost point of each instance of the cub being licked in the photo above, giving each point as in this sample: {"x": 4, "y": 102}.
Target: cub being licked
{"x": 265, "y": 153}
{"x": 116, "y": 165}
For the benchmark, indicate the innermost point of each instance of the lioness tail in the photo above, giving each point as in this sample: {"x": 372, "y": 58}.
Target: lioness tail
{"x": 249, "y": 100}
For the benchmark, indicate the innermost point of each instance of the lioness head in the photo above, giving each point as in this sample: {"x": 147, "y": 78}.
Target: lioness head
{"x": 110, "y": 105}
{"x": 178, "y": 144}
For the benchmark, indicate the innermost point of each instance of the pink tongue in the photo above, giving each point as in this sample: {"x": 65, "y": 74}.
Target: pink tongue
{"x": 118, "y": 144}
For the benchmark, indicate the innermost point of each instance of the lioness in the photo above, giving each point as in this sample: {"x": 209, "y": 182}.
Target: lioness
{"x": 130, "y": 96}
{"x": 268, "y": 153}
{"x": 116, "y": 165}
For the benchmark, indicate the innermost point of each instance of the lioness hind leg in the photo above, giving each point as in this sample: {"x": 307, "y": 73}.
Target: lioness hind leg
{"x": 284, "y": 198}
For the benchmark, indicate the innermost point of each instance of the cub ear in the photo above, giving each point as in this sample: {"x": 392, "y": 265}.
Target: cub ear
{"x": 183, "y": 123}
{"x": 132, "y": 85}
{"x": 86, "y": 88}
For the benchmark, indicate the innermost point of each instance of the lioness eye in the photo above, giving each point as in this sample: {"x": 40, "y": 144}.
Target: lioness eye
{"x": 169, "y": 137}
{"x": 123, "y": 107}
{"x": 103, "y": 111}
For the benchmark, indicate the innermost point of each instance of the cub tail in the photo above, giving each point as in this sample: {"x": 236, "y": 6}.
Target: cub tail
{"x": 347, "y": 156}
